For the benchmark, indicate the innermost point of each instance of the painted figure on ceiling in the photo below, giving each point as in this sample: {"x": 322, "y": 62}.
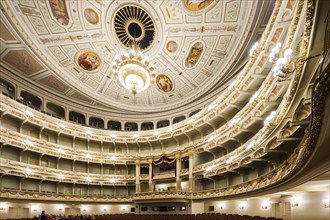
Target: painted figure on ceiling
{"x": 164, "y": 83}
{"x": 89, "y": 61}
{"x": 196, "y": 5}
{"x": 59, "y": 11}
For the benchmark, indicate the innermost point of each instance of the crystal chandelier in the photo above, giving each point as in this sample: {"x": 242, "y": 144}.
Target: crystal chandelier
{"x": 133, "y": 70}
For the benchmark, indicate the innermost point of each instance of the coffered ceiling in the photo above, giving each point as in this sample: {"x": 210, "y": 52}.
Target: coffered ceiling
{"x": 68, "y": 46}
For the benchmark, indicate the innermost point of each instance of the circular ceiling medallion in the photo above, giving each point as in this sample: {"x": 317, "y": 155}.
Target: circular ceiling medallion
{"x": 89, "y": 61}
{"x": 164, "y": 83}
{"x": 197, "y": 5}
{"x": 172, "y": 46}
{"x": 134, "y": 24}
{"x": 91, "y": 16}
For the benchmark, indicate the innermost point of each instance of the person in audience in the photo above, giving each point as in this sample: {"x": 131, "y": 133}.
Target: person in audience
{"x": 43, "y": 216}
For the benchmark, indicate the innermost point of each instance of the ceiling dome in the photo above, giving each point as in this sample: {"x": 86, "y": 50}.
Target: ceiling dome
{"x": 197, "y": 45}
{"x": 132, "y": 23}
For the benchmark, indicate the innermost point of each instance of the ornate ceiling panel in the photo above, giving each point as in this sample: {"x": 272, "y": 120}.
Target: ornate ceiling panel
{"x": 22, "y": 61}
{"x": 192, "y": 44}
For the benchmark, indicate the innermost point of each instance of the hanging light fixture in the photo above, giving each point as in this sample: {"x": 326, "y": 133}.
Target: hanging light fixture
{"x": 132, "y": 68}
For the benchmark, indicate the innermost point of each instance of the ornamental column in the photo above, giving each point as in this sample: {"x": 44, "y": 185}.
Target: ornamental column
{"x": 178, "y": 171}
{"x": 137, "y": 177}
{"x": 151, "y": 185}
{"x": 191, "y": 163}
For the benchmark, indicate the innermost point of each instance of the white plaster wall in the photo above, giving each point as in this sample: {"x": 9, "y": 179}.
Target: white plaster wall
{"x": 60, "y": 208}
{"x": 310, "y": 207}
{"x": 197, "y": 207}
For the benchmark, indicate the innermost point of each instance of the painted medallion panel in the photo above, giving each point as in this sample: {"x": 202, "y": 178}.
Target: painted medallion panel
{"x": 60, "y": 11}
{"x": 91, "y": 16}
{"x": 89, "y": 61}
{"x": 164, "y": 83}
{"x": 172, "y": 46}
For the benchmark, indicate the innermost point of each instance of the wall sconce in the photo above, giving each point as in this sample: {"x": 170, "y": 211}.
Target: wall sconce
{"x": 60, "y": 209}
{"x": 265, "y": 206}
{"x": 60, "y": 125}
{"x": 3, "y": 206}
{"x": 254, "y": 49}
{"x": 29, "y": 114}
{"x": 286, "y": 65}
{"x": 242, "y": 206}
{"x": 274, "y": 54}
{"x": 326, "y": 203}
{"x": 268, "y": 122}
{"x": 221, "y": 207}
{"x": 294, "y": 204}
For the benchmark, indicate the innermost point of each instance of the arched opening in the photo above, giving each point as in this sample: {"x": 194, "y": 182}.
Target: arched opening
{"x": 163, "y": 123}
{"x": 30, "y": 100}
{"x": 114, "y": 125}
{"x": 96, "y": 122}
{"x": 55, "y": 110}
{"x": 77, "y": 117}
{"x": 178, "y": 119}
{"x": 7, "y": 89}
{"x": 131, "y": 126}
{"x": 147, "y": 126}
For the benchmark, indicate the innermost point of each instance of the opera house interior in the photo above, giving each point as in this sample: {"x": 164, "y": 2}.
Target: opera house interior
{"x": 165, "y": 109}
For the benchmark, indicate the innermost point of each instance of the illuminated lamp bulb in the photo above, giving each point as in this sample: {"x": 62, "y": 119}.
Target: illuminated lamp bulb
{"x": 287, "y": 53}
{"x": 114, "y": 65}
{"x": 60, "y": 125}
{"x": 60, "y": 176}
{"x": 139, "y": 55}
{"x": 131, "y": 53}
{"x": 117, "y": 59}
{"x": 146, "y": 61}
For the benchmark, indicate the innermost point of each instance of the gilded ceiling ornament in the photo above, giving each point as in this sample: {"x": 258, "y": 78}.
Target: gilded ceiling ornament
{"x": 164, "y": 83}
{"x": 134, "y": 24}
{"x": 197, "y": 5}
{"x": 89, "y": 61}
{"x": 91, "y": 16}
{"x": 172, "y": 46}
{"x": 59, "y": 11}
{"x": 194, "y": 54}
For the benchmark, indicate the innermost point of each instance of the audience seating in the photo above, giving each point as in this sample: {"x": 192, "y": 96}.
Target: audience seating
{"x": 204, "y": 216}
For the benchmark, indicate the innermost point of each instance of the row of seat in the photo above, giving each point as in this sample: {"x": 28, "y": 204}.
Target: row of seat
{"x": 204, "y": 216}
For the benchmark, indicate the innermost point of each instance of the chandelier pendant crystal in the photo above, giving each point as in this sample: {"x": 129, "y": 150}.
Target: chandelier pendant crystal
{"x": 133, "y": 70}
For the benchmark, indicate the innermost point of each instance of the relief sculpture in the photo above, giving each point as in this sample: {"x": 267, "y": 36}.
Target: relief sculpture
{"x": 91, "y": 16}
{"x": 194, "y": 54}
{"x": 197, "y": 5}
{"x": 172, "y": 46}
{"x": 59, "y": 11}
